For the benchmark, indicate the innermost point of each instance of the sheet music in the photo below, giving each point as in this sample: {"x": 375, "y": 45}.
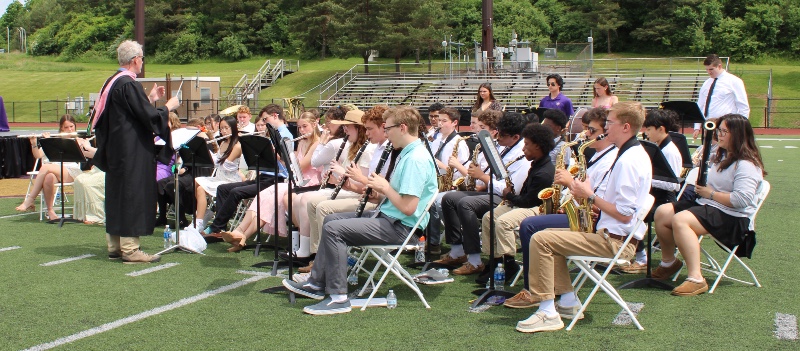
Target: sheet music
{"x": 492, "y": 154}
{"x": 297, "y": 174}
{"x": 182, "y": 136}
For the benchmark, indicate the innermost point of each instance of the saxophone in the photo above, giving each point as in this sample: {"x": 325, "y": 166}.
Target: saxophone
{"x": 446, "y": 180}
{"x": 467, "y": 183}
{"x": 551, "y": 197}
{"x": 509, "y": 183}
{"x": 580, "y": 217}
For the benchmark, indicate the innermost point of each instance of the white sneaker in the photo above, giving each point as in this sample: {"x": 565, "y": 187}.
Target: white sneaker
{"x": 301, "y": 277}
{"x": 539, "y": 322}
{"x": 569, "y": 312}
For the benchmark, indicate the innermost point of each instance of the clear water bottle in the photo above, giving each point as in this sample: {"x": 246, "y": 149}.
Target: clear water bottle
{"x": 58, "y": 198}
{"x": 499, "y": 277}
{"x": 420, "y": 254}
{"x": 391, "y": 300}
{"x": 444, "y": 271}
{"x": 167, "y": 237}
{"x": 352, "y": 279}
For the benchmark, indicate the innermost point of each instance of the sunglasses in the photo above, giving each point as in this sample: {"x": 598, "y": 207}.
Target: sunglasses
{"x": 552, "y": 84}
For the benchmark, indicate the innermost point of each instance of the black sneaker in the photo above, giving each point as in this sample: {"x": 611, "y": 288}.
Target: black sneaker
{"x": 435, "y": 250}
{"x": 303, "y": 289}
{"x": 114, "y": 255}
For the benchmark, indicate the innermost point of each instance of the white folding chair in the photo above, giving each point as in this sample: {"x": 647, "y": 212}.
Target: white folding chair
{"x": 587, "y": 263}
{"x": 720, "y": 271}
{"x": 33, "y": 174}
{"x": 381, "y": 253}
{"x": 56, "y": 204}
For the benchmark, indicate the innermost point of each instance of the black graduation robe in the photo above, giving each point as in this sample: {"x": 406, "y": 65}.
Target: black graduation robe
{"x": 126, "y": 152}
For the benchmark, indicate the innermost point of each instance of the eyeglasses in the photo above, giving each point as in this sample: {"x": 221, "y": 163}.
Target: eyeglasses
{"x": 552, "y": 84}
{"x": 722, "y": 132}
{"x": 387, "y": 128}
{"x": 591, "y": 130}
{"x": 141, "y": 56}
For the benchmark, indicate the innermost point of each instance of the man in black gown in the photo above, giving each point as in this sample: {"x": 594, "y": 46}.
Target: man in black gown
{"x": 126, "y": 123}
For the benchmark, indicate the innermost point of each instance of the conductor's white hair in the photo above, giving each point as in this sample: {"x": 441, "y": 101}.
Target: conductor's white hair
{"x": 127, "y": 51}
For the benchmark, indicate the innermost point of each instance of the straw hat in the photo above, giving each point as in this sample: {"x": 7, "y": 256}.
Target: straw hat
{"x": 352, "y": 117}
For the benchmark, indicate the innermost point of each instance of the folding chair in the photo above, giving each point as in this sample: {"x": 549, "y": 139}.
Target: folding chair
{"x": 56, "y": 204}
{"x": 241, "y": 209}
{"x": 381, "y": 253}
{"x": 586, "y": 265}
{"x": 713, "y": 265}
{"x": 33, "y": 174}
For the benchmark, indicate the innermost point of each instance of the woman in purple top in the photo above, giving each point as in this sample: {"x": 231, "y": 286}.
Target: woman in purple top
{"x": 162, "y": 170}
{"x": 556, "y": 99}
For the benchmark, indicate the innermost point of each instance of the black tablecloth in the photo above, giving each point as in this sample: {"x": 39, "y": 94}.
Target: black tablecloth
{"x": 16, "y": 158}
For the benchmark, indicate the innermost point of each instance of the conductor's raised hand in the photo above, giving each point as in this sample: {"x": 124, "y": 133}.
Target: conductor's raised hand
{"x": 173, "y": 103}
{"x": 157, "y": 92}
{"x": 378, "y": 183}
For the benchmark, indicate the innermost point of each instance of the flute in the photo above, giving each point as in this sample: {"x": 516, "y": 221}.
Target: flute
{"x": 344, "y": 176}
{"x": 73, "y": 134}
{"x": 301, "y": 137}
{"x": 214, "y": 141}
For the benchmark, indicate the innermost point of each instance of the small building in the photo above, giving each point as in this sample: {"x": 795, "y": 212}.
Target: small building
{"x": 199, "y": 95}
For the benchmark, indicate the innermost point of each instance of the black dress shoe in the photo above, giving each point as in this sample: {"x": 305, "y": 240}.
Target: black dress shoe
{"x": 283, "y": 255}
{"x": 161, "y": 221}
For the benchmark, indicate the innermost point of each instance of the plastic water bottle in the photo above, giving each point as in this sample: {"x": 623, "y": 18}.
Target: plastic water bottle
{"x": 352, "y": 279}
{"x": 444, "y": 271}
{"x": 167, "y": 237}
{"x": 351, "y": 260}
{"x": 391, "y": 300}
{"x": 499, "y": 277}
{"x": 58, "y": 198}
{"x": 420, "y": 254}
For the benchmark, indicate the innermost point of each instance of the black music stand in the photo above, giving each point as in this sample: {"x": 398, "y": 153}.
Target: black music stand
{"x": 194, "y": 152}
{"x": 63, "y": 150}
{"x": 537, "y": 111}
{"x": 498, "y": 170}
{"x": 259, "y": 154}
{"x": 663, "y": 172}
{"x": 187, "y": 150}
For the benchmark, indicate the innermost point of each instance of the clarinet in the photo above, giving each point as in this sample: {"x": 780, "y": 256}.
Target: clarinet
{"x": 327, "y": 176}
{"x": 362, "y": 203}
{"x": 345, "y": 177}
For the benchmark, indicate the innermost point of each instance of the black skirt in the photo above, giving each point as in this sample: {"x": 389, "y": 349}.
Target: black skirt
{"x": 729, "y": 230}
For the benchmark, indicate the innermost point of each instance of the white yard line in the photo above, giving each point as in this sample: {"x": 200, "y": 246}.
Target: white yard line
{"x": 785, "y": 326}
{"x": 153, "y": 312}
{"x": 68, "y": 259}
{"x": 17, "y": 215}
{"x": 10, "y": 248}
{"x": 153, "y": 269}
{"x": 623, "y": 318}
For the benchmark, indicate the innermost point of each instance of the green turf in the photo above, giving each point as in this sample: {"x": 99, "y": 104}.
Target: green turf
{"x": 41, "y": 304}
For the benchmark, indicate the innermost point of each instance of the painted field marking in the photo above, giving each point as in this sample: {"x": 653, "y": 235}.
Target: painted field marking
{"x": 776, "y": 139}
{"x": 785, "y": 326}
{"x": 137, "y": 317}
{"x": 10, "y": 248}
{"x": 68, "y": 259}
{"x": 153, "y": 269}
{"x": 790, "y": 147}
{"x": 766, "y": 147}
{"x": 17, "y": 215}
{"x": 623, "y": 318}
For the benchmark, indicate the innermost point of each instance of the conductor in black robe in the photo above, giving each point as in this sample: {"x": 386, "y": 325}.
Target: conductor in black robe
{"x": 126, "y": 123}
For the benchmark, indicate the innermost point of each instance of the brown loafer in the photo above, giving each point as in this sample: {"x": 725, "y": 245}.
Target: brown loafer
{"x": 662, "y": 273}
{"x": 306, "y": 269}
{"x": 690, "y": 288}
{"x": 634, "y": 268}
{"x": 521, "y": 300}
{"x": 468, "y": 269}
{"x": 447, "y": 260}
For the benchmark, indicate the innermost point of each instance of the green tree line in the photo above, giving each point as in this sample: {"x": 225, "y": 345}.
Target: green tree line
{"x": 181, "y": 31}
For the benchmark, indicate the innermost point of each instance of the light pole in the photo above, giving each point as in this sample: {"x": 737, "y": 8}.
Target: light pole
{"x": 513, "y": 45}
{"x": 444, "y": 48}
{"x": 591, "y": 52}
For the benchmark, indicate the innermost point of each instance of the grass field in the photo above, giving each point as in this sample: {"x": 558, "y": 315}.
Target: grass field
{"x": 41, "y": 304}
{"x": 28, "y": 80}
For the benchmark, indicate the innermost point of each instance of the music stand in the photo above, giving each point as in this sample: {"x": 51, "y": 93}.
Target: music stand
{"x": 537, "y": 111}
{"x": 195, "y": 151}
{"x": 63, "y": 150}
{"x": 259, "y": 154}
{"x": 185, "y": 144}
{"x": 663, "y": 172}
{"x": 496, "y": 170}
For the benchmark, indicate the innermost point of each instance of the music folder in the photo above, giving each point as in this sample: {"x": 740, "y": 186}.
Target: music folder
{"x": 491, "y": 155}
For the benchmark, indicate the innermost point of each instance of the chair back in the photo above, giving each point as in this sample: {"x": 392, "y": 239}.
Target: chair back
{"x": 691, "y": 179}
{"x": 417, "y": 224}
{"x": 761, "y": 195}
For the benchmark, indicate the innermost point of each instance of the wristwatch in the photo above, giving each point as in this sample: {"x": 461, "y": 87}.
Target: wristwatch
{"x": 711, "y": 197}
{"x": 591, "y": 197}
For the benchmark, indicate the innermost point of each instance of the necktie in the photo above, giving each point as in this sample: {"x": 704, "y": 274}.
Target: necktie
{"x": 708, "y": 98}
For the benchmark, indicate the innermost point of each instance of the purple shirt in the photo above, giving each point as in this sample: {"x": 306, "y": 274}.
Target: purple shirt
{"x": 561, "y": 102}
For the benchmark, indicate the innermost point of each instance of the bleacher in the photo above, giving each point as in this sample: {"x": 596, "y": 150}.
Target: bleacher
{"x": 516, "y": 91}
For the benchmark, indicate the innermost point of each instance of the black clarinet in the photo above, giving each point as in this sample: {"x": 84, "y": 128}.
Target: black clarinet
{"x": 327, "y": 176}
{"x": 345, "y": 177}
{"x": 702, "y": 177}
{"x": 362, "y": 203}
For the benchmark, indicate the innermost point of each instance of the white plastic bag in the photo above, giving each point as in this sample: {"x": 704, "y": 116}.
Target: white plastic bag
{"x": 191, "y": 239}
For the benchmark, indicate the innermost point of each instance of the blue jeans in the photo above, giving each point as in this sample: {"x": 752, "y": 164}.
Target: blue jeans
{"x": 532, "y": 225}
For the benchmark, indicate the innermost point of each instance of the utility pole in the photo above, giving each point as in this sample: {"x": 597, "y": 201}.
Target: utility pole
{"x": 487, "y": 34}
{"x": 138, "y": 30}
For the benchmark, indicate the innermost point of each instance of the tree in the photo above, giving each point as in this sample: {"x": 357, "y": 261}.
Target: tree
{"x": 360, "y": 33}
{"x": 428, "y": 26}
{"x": 398, "y": 39}
{"x": 313, "y": 27}
{"x": 607, "y": 16}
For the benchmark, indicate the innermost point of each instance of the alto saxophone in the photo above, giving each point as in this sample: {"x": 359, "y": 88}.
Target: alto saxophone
{"x": 551, "y": 197}
{"x": 446, "y": 180}
{"x": 467, "y": 183}
{"x": 580, "y": 217}
{"x": 509, "y": 183}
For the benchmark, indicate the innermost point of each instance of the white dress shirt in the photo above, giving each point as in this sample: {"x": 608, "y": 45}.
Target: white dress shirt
{"x": 447, "y": 151}
{"x": 628, "y": 186}
{"x": 728, "y": 96}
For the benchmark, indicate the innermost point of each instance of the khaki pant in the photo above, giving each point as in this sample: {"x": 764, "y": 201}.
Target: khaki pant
{"x": 548, "y": 275}
{"x": 124, "y": 245}
{"x": 318, "y": 208}
{"x": 506, "y": 219}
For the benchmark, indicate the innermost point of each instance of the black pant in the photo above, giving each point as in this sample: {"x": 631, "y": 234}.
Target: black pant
{"x": 228, "y": 198}
{"x": 462, "y": 211}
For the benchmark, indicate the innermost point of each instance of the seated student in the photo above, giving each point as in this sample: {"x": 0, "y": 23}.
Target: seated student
{"x": 555, "y": 99}
{"x": 412, "y": 186}
{"x": 211, "y": 123}
{"x": 462, "y": 209}
{"x": 517, "y": 206}
{"x": 596, "y": 168}
{"x": 557, "y": 122}
{"x": 433, "y": 117}
{"x": 721, "y": 208}
{"x": 162, "y": 170}
{"x": 231, "y": 194}
{"x": 306, "y": 124}
{"x": 90, "y": 192}
{"x": 628, "y": 186}
{"x": 487, "y": 121}
{"x": 243, "y": 117}
{"x": 657, "y": 125}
